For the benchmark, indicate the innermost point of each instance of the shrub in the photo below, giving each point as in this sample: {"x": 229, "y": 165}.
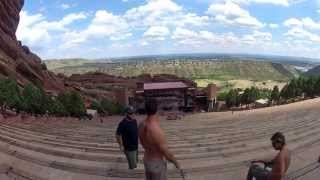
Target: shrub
{"x": 112, "y": 108}
{"x": 10, "y": 96}
{"x": 73, "y": 103}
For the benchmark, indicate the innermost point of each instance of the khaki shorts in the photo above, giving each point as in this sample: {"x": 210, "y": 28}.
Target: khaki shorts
{"x": 132, "y": 157}
{"x": 156, "y": 170}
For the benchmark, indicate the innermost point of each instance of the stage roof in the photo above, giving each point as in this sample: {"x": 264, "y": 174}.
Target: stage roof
{"x": 164, "y": 85}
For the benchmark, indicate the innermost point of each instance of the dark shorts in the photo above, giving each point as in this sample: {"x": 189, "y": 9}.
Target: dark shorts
{"x": 258, "y": 173}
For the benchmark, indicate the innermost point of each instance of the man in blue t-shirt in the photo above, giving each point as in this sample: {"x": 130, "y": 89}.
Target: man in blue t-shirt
{"x": 127, "y": 138}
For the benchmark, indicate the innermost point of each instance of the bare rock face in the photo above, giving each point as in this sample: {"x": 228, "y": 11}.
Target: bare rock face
{"x": 16, "y": 60}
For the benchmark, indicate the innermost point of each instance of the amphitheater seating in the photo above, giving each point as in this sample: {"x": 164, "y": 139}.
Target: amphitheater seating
{"x": 209, "y": 145}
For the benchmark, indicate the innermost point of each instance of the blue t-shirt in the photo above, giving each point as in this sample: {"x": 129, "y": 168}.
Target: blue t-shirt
{"x": 128, "y": 130}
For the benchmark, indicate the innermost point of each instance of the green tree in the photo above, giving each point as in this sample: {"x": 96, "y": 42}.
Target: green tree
{"x": 98, "y": 107}
{"x": 10, "y": 96}
{"x": 73, "y": 103}
{"x": 311, "y": 87}
{"x": 34, "y": 100}
{"x": 112, "y": 108}
{"x": 233, "y": 98}
{"x": 56, "y": 108}
{"x": 284, "y": 92}
{"x": 275, "y": 95}
{"x": 253, "y": 95}
{"x": 222, "y": 96}
{"x": 245, "y": 97}
{"x": 317, "y": 86}
{"x": 44, "y": 66}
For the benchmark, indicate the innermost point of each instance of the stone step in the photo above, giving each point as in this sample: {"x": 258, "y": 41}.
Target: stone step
{"x": 204, "y": 149}
{"x": 198, "y": 147}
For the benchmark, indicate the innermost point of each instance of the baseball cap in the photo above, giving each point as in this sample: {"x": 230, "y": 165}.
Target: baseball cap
{"x": 129, "y": 110}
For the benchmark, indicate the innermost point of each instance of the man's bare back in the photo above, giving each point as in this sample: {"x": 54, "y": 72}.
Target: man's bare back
{"x": 150, "y": 133}
{"x": 279, "y": 164}
{"x": 154, "y": 141}
{"x": 155, "y": 144}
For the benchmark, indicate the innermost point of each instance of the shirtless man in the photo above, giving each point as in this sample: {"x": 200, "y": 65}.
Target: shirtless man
{"x": 279, "y": 165}
{"x": 155, "y": 145}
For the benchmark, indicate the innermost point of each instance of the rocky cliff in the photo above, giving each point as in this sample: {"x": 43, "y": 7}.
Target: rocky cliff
{"x": 16, "y": 60}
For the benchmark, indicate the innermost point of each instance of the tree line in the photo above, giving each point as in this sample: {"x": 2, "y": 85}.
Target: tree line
{"x": 33, "y": 99}
{"x": 302, "y": 87}
{"x": 306, "y": 87}
{"x": 237, "y": 97}
{"x": 106, "y": 106}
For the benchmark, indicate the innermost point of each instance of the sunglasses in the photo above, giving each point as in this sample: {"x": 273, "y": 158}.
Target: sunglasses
{"x": 277, "y": 141}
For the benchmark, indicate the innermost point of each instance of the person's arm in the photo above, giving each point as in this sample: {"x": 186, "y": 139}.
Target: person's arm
{"x": 278, "y": 172}
{"x": 160, "y": 140}
{"x": 119, "y": 137}
{"x": 119, "y": 140}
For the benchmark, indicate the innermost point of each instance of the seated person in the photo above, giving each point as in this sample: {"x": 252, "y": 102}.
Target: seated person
{"x": 275, "y": 169}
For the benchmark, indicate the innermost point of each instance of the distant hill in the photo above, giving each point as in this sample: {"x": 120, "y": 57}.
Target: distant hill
{"x": 192, "y": 69}
{"x": 314, "y": 71}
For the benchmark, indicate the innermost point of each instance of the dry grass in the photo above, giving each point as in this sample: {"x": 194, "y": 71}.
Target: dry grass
{"x": 224, "y": 85}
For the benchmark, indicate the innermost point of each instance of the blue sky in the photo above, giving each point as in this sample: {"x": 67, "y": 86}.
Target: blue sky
{"x": 113, "y": 28}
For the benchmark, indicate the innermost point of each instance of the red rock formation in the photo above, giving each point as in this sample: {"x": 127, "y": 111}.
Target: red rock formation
{"x": 17, "y": 61}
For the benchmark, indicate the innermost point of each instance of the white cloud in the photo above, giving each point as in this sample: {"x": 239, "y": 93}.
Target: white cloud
{"x": 163, "y": 13}
{"x": 285, "y": 3}
{"x": 274, "y": 26}
{"x": 184, "y": 34}
{"x": 28, "y": 31}
{"x": 121, "y": 37}
{"x": 165, "y": 26}
{"x": 299, "y": 33}
{"x": 191, "y": 19}
{"x": 310, "y": 23}
{"x": 103, "y": 25}
{"x": 189, "y": 37}
{"x": 302, "y": 31}
{"x": 307, "y": 23}
{"x": 35, "y": 29}
{"x": 65, "y": 6}
{"x": 207, "y": 39}
{"x": 274, "y": 2}
{"x": 257, "y": 37}
{"x": 157, "y": 33}
{"x": 292, "y": 22}
{"x": 232, "y": 14}
{"x": 153, "y": 13}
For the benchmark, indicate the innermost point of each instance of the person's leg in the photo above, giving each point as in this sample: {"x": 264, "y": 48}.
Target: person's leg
{"x": 148, "y": 174}
{"x": 156, "y": 170}
{"x": 137, "y": 156}
{"x": 251, "y": 171}
{"x": 132, "y": 159}
{"x": 164, "y": 172}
